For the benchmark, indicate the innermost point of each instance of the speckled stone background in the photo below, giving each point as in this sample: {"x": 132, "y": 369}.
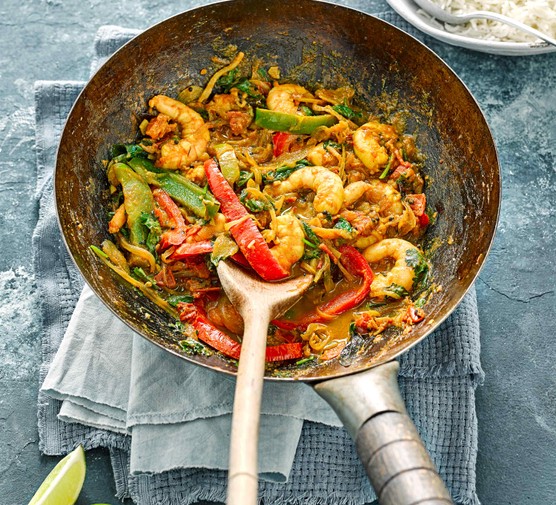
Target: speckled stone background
{"x": 52, "y": 39}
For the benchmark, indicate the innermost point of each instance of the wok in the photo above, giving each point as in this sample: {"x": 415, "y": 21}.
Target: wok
{"x": 317, "y": 43}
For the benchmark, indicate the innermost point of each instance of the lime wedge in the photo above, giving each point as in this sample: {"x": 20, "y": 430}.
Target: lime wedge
{"x": 64, "y": 482}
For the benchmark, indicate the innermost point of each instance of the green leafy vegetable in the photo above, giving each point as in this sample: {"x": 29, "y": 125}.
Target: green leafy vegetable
{"x": 226, "y": 81}
{"x": 344, "y": 224}
{"x": 415, "y": 259}
{"x": 127, "y": 151}
{"x": 253, "y": 204}
{"x": 310, "y": 234}
{"x": 397, "y": 291}
{"x": 152, "y": 224}
{"x": 282, "y": 173}
{"x": 331, "y": 143}
{"x": 306, "y": 111}
{"x": 174, "y": 300}
{"x": 141, "y": 275}
{"x": 244, "y": 176}
{"x": 191, "y": 346}
{"x": 346, "y": 111}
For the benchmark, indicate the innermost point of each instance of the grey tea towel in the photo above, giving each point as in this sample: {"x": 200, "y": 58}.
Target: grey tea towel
{"x": 437, "y": 379}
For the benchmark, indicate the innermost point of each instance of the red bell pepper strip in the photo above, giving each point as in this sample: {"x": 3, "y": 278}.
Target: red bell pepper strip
{"x": 222, "y": 342}
{"x": 207, "y": 332}
{"x": 187, "y": 250}
{"x": 357, "y": 265}
{"x": 177, "y": 234}
{"x": 284, "y": 352}
{"x": 246, "y": 234}
{"x": 281, "y": 142}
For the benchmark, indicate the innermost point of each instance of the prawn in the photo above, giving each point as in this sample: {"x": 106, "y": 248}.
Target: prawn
{"x": 328, "y": 187}
{"x": 289, "y": 246}
{"x": 286, "y": 98}
{"x": 380, "y": 193}
{"x": 194, "y": 134}
{"x": 369, "y": 144}
{"x": 400, "y": 275}
{"x": 320, "y": 155}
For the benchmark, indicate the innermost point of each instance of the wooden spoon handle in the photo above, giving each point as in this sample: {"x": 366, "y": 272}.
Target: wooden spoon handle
{"x": 243, "y": 469}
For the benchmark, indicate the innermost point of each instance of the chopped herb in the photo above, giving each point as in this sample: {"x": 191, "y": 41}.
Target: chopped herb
{"x": 247, "y": 87}
{"x": 310, "y": 234}
{"x": 310, "y": 254}
{"x": 282, "y": 173}
{"x": 244, "y": 176}
{"x": 264, "y": 74}
{"x": 177, "y": 326}
{"x": 123, "y": 151}
{"x": 151, "y": 222}
{"x": 430, "y": 212}
{"x": 415, "y": 259}
{"x": 344, "y": 224}
{"x": 253, "y": 204}
{"x": 98, "y": 252}
{"x": 397, "y": 290}
{"x": 346, "y": 111}
{"x": 331, "y": 143}
{"x": 174, "y": 300}
{"x": 226, "y": 81}
{"x": 420, "y": 302}
{"x": 327, "y": 215}
{"x": 306, "y": 111}
{"x": 191, "y": 346}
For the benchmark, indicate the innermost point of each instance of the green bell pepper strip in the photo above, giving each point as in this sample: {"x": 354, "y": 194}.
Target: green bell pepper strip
{"x": 228, "y": 162}
{"x": 292, "y": 123}
{"x": 138, "y": 199}
{"x": 182, "y": 190}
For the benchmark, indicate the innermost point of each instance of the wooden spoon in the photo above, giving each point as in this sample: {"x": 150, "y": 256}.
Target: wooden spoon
{"x": 258, "y": 302}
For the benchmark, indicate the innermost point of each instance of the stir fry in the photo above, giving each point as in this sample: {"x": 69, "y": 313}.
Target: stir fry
{"x": 284, "y": 181}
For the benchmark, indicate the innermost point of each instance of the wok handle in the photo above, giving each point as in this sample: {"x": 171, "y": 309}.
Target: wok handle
{"x": 395, "y": 459}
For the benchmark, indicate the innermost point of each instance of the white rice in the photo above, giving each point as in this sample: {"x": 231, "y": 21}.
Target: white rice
{"x": 539, "y": 14}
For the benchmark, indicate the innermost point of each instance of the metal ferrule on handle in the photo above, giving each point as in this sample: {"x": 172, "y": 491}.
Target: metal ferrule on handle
{"x": 397, "y": 463}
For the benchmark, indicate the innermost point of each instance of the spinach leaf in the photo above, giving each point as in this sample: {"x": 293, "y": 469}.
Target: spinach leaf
{"x": 191, "y": 346}
{"x": 344, "y": 224}
{"x": 253, "y": 204}
{"x": 331, "y": 143}
{"x": 397, "y": 290}
{"x": 225, "y": 83}
{"x": 127, "y": 151}
{"x": 310, "y": 234}
{"x": 141, "y": 275}
{"x": 244, "y": 176}
{"x": 174, "y": 300}
{"x": 282, "y": 173}
{"x": 346, "y": 111}
{"x": 415, "y": 259}
{"x": 155, "y": 231}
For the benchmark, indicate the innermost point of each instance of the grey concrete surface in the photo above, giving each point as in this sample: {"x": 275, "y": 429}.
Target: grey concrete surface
{"x": 52, "y": 39}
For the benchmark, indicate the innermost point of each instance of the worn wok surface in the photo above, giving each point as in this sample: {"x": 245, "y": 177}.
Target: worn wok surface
{"x": 316, "y": 43}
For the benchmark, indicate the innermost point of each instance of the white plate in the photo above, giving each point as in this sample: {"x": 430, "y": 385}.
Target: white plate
{"x": 407, "y": 9}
